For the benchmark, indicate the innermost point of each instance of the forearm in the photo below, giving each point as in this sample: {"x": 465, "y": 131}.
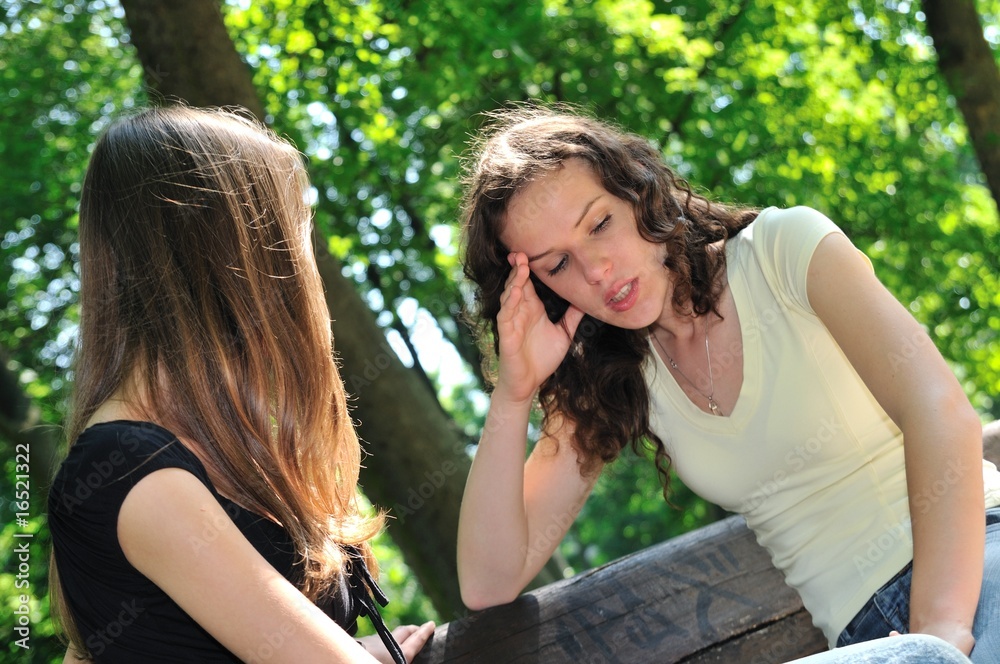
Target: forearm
{"x": 944, "y": 476}
{"x": 941, "y": 433}
{"x": 493, "y": 525}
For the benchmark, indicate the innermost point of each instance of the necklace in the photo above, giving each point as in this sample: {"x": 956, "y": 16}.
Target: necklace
{"x": 712, "y": 406}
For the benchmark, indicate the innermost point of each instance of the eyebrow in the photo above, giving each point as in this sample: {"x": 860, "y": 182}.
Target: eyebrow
{"x": 579, "y": 221}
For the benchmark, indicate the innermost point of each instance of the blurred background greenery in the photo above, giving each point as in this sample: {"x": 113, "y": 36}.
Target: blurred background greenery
{"x": 835, "y": 104}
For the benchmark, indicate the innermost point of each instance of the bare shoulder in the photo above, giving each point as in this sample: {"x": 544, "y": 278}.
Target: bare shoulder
{"x": 165, "y": 507}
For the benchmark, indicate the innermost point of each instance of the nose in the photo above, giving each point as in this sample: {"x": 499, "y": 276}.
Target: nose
{"x": 596, "y": 267}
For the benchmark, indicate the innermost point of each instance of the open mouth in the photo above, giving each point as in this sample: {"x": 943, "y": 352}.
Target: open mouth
{"x": 624, "y": 297}
{"x": 622, "y": 293}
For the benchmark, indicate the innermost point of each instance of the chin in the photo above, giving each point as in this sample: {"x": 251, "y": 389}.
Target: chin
{"x": 631, "y": 325}
{"x": 626, "y": 322}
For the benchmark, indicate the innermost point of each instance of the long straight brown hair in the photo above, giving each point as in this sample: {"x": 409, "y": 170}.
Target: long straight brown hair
{"x": 201, "y": 305}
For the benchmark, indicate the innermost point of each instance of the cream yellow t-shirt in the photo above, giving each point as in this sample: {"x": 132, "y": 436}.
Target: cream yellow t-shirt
{"x": 807, "y": 456}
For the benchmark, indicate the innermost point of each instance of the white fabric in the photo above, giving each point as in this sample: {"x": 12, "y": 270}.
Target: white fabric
{"x": 807, "y": 456}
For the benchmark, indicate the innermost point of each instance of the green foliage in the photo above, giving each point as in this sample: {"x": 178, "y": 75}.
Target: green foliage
{"x": 773, "y": 103}
{"x": 779, "y": 102}
{"x": 24, "y": 588}
{"x": 627, "y": 512}
{"x": 66, "y": 69}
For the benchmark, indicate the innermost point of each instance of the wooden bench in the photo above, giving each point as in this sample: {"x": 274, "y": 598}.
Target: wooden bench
{"x": 711, "y": 595}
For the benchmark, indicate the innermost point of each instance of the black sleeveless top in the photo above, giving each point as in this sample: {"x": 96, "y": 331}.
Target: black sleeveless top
{"x": 121, "y": 615}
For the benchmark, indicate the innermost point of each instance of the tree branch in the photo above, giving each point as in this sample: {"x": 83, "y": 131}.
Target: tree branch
{"x": 968, "y": 65}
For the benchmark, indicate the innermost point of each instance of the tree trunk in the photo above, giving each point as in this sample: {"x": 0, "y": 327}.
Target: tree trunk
{"x": 968, "y": 65}
{"x": 418, "y": 465}
{"x": 186, "y": 54}
{"x": 20, "y": 424}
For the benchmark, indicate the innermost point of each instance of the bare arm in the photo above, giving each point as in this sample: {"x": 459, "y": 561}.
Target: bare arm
{"x": 941, "y": 432}
{"x": 515, "y": 513}
{"x": 175, "y": 533}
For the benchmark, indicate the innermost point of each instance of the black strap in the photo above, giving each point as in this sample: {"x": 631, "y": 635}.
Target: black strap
{"x": 362, "y": 590}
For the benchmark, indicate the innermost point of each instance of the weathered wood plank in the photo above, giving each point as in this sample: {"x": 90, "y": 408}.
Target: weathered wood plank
{"x": 687, "y": 597}
{"x": 708, "y": 597}
{"x": 786, "y": 639}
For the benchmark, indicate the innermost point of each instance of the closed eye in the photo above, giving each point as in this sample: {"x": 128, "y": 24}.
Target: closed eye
{"x": 602, "y": 225}
{"x": 558, "y": 268}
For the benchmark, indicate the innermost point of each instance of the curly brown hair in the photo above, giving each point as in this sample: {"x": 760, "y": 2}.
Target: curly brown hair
{"x": 599, "y": 385}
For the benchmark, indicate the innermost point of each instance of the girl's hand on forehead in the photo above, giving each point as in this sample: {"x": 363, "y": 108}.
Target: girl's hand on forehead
{"x": 531, "y": 346}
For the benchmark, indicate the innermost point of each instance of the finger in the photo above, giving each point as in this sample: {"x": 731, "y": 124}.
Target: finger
{"x": 416, "y": 640}
{"x": 571, "y": 320}
{"x": 509, "y": 301}
{"x": 521, "y": 273}
{"x": 517, "y": 277}
{"x": 403, "y": 632}
{"x": 528, "y": 288}
{"x": 519, "y": 280}
{"x": 894, "y": 633}
{"x": 408, "y": 632}
{"x": 511, "y": 275}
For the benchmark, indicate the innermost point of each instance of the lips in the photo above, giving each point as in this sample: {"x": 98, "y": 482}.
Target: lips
{"x": 621, "y": 297}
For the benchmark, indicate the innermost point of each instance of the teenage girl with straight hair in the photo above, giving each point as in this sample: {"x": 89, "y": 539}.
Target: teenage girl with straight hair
{"x": 758, "y": 354}
{"x": 208, "y": 508}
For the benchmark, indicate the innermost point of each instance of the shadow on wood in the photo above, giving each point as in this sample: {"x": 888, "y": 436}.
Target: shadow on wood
{"x": 710, "y": 595}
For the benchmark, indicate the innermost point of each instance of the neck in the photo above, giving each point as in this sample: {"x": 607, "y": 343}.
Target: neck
{"x": 680, "y": 328}
{"x": 685, "y": 326}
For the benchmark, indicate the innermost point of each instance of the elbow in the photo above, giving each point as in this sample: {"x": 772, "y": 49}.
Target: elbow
{"x": 482, "y": 594}
{"x": 483, "y": 585}
{"x": 947, "y": 409}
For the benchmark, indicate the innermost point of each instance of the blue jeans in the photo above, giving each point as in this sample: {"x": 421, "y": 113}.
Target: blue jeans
{"x": 889, "y": 608}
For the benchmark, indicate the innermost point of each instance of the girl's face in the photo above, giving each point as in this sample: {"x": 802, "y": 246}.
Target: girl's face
{"x": 583, "y": 243}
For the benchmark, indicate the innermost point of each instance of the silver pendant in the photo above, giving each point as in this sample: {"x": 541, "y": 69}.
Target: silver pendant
{"x": 714, "y": 407}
